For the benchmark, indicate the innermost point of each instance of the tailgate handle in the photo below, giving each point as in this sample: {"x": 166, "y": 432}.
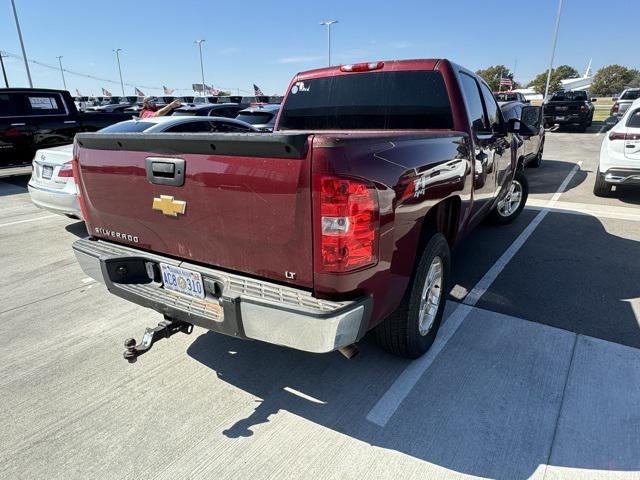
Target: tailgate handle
{"x": 165, "y": 171}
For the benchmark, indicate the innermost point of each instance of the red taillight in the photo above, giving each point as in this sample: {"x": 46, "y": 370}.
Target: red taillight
{"x": 583, "y": 108}
{"x": 362, "y": 67}
{"x": 614, "y": 109}
{"x": 66, "y": 170}
{"x": 346, "y": 213}
{"x": 617, "y": 136}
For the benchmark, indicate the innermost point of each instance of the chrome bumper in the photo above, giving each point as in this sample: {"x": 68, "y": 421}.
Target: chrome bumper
{"x": 233, "y": 305}
{"x": 621, "y": 177}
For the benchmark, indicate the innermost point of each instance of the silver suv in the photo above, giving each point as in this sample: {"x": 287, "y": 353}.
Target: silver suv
{"x": 624, "y": 101}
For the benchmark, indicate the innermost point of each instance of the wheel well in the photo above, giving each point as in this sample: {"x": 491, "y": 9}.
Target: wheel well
{"x": 442, "y": 218}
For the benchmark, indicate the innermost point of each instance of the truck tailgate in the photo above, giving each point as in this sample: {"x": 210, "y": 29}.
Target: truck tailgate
{"x": 247, "y": 198}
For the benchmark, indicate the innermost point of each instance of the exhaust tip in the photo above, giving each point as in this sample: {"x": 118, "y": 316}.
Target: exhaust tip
{"x": 349, "y": 351}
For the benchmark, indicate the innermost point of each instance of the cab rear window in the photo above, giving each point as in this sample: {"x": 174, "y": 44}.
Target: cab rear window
{"x": 374, "y": 100}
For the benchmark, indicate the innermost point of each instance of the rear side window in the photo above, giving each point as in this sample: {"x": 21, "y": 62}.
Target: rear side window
{"x": 473, "y": 101}
{"x": 493, "y": 111}
{"x": 10, "y": 105}
{"x": 191, "y": 127}
{"x": 634, "y": 119}
{"x": 380, "y": 100}
{"x": 630, "y": 95}
{"x": 255, "y": 118}
{"x": 184, "y": 113}
{"x": 228, "y": 127}
{"x": 45, "y": 104}
{"x": 569, "y": 96}
{"x": 129, "y": 126}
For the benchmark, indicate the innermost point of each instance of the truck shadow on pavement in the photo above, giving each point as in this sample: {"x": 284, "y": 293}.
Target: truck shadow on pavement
{"x": 490, "y": 403}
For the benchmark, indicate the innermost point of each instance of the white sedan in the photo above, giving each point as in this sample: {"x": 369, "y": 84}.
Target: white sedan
{"x": 52, "y": 186}
{"x": 620, "y": 154}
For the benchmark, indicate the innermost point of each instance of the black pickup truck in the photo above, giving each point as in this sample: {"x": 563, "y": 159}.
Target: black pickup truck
{"x": 569, "y": 108}
{"x": 31, "y": 119}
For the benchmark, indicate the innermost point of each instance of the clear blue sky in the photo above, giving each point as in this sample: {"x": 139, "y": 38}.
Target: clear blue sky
{"x": 266, "y": 42}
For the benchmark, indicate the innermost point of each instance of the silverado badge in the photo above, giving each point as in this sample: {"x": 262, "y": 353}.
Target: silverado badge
{"x": 168, "y": 206}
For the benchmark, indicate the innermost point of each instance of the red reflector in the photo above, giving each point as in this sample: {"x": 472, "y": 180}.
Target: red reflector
{"x": 76, "y": 176}
{"x": 362, "y": 67}
{"x": 346, "y": 224}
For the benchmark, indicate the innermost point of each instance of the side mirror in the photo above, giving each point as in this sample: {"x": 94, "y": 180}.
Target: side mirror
{"x": 529, "y": 122}
{"x": 594, "y": 100}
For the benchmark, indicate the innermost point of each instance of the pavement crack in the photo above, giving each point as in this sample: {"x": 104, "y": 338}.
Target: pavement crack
{"x": 560, "y": 407}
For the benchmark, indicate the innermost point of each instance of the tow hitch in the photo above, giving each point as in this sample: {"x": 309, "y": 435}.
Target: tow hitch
{"x": 165, "y": 329}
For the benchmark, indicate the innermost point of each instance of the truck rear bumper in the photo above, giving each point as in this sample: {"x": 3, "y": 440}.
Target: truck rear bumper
{"x": 233, "y": 305}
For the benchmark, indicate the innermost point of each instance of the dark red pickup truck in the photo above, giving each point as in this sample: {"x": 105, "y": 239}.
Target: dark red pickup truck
{"x": 339, "y": 222}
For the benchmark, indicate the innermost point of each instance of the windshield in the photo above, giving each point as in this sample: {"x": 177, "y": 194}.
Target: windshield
{"x": 568, "y": 96}
{"x": 381, "y": 100}
{"x": 630, "y": 95}
{"x": 255, "y": 118}
{"x": 130, "y": 126}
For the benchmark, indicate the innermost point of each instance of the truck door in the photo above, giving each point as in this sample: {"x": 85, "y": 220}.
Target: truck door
{"x": 485, "y": 146}
{"x": 16, "y": 137}
{"x": 53, "y": 121}
{"x": 500, "y": 142}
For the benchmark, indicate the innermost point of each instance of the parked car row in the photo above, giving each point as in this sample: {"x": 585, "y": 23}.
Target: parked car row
{"x": 569, "y": 108}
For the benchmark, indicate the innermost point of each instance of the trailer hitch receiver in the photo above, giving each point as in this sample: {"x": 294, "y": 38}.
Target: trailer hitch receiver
{"x": 164, "y": 329}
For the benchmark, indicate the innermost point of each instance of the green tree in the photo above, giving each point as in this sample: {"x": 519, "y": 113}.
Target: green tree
{"x": 612, "y": 79}
{"x": 635, "y": 81}
{"x": 224, "y": 94}
{"x": 492, "y": 74}
{"x": 559, "y": 73}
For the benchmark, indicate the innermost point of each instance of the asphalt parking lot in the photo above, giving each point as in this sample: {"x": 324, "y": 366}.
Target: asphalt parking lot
{"x": 535, "y": 374}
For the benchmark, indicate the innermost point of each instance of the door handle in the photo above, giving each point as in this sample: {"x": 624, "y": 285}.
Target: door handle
{"x": 165, "y": 171}
{"x": 19, "y": 124}
{"x": 70, "y": 121}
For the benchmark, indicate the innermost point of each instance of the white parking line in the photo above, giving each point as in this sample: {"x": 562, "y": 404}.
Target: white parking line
{"x": 598, "y": 211}
{"x": 26, "y": 221}
{"x": 387, "y": 405}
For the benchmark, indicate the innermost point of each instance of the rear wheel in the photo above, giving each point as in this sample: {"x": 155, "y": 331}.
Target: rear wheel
{"x": 510, "y": 206}
{"x": 410, "y": 330}
{"x": 601, "y": 188}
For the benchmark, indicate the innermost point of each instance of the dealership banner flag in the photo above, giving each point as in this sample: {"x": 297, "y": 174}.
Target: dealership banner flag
{"x": 78, "y": 93}
{"x": 257, "y": 91}
{"x": 139, "y": 92}
{"x": 106, "y": 92}
{"x": 167, "y": 90}
{"x": 213, "y": 91}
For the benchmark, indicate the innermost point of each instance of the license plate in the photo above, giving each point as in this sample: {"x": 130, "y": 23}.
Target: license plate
{"x": 561, "y": 118}
{"x": 47, "y": 172}
{"x": 562, "y": 109}
{"x": 182, "y": 280}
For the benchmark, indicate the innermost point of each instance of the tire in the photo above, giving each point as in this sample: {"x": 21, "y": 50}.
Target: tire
{"x": 600, "y": 187}
{"x": 405, "y": 332}
{"x": 537, "y": 161}
{"x": 506, "y": 213}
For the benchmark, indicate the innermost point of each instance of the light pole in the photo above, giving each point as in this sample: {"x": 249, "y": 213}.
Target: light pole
{"x": 199, "y": 43}
{"x": 24, "y": 53}
{"x": 553, "y": 50}
{"x": 64, "y": 82}
{"x": 4, "y": 72}
{"x": 328, "y": 23}
{"x": 118, "y": 50}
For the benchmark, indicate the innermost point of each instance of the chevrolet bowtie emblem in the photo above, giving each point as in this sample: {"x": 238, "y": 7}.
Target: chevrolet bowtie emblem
{"x": 168, "y": 206}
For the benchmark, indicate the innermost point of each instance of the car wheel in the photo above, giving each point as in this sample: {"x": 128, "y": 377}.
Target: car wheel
{"x": 537, "y": 161}
{"x": 412, "y": 328}
{"x": 600, "y": 187}
{"x": 510, "y": 206}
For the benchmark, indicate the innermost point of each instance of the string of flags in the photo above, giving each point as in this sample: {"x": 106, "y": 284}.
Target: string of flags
{"x": 197, "y": 87}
